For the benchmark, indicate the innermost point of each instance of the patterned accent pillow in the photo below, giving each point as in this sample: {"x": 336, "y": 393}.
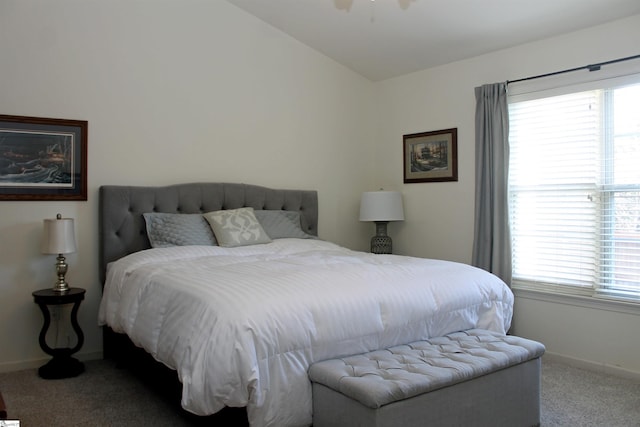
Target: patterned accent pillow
{"x": 236, "y": 227}
{"x": 282, "y": 224}
{"x": 167, "y": 229}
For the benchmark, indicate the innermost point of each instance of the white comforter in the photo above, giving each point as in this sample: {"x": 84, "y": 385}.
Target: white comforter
{"x": 241, "y": 326}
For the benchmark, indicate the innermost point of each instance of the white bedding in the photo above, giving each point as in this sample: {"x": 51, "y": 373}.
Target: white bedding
{"x": 242, "y": 325}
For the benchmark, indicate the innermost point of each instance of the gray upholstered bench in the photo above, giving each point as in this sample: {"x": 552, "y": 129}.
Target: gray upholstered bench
{"x": 470, "y": 378}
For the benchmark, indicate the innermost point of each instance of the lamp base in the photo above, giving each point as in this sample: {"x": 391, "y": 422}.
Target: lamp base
{"x": 61, "y": 285}
{"x": 381, "y": 243}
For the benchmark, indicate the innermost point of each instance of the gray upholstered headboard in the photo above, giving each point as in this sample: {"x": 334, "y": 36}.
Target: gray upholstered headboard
{"x": 122, "y": 226}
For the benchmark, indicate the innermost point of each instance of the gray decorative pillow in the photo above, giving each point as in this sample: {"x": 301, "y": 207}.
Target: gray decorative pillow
{"x": 282, "y": 224}
{"x": 236, "y": 227}
{"x": 167, "y": 229}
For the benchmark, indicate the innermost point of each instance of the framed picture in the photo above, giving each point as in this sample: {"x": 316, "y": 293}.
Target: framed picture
{"x": 42, "y": 159}
{"x": 431, "y": 156}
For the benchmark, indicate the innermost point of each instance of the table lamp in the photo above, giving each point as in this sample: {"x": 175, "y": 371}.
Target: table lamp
{"x": 381, "y": 207}
{"x": 59, "y": 238}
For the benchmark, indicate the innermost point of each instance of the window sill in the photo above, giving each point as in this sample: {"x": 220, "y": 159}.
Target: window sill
{"x": 586, "y": 301}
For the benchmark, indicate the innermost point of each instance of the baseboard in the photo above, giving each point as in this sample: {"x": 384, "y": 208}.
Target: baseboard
{"x": 572, "y": 361}
{"x": 22, "y": 365}
{"x": 592, "y": 366}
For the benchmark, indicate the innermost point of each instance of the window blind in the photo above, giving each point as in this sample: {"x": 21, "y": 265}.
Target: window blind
{"x": 574, "y": 191}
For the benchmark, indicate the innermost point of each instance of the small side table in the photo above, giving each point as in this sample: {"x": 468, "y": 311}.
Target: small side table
{"x": 62, "y": 365}
{"x": 3, "y": 408}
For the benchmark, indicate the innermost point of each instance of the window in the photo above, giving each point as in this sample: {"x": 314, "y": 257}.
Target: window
{"x": 574, "y": 191}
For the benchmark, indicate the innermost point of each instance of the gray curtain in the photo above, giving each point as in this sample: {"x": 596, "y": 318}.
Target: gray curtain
{"x": 492, "y": 237}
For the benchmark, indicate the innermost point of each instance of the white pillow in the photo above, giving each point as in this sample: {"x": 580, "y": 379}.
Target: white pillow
{"x": 236, "y": 227}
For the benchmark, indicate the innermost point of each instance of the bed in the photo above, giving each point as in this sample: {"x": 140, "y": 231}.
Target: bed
{"x": 241, "y": 323}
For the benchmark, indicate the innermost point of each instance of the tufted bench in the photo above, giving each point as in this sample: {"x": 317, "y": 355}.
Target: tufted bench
{"x": 470, "y": 378}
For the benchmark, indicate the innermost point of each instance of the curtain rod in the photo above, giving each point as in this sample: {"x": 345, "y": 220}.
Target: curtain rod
{"x": 592, "y": 67}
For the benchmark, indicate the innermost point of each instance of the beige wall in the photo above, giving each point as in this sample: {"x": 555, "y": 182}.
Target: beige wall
{"x": 439, "y": 216}
{"x": 174, "y": 91}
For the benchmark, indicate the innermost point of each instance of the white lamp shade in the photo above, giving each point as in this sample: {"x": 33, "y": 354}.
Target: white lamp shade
{"x": 59, "y": 236}
{"x": 381, "y": 206}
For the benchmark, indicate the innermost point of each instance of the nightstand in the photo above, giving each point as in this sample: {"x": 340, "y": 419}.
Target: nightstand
{"x": 62, "y": 365}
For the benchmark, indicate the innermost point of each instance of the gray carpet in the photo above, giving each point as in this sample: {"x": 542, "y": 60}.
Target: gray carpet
{"x": 108, "y": 396}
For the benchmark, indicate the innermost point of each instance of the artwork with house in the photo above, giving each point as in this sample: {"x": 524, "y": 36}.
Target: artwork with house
{"x": 229, "y": 285}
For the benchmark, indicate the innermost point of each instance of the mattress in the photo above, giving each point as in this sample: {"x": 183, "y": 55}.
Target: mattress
{"x": 241, "y": 326}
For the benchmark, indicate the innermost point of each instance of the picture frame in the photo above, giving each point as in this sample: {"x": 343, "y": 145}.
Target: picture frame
{"x": 42, "y": 158}
{"x": 431, "y": 156}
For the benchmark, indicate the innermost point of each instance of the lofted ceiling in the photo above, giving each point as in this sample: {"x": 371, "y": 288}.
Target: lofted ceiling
{"x": 387, "y": 38}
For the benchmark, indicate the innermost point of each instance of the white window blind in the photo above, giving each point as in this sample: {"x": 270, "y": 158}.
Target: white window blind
{"x": 574, "y": 185}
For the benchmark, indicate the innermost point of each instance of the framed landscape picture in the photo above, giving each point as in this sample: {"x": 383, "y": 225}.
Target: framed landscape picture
{"x": 42, "y": 159}
{"x": 431, "y": 156}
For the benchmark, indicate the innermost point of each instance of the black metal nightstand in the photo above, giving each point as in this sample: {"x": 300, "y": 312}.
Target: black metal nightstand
{"x": 62, "y": 365}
